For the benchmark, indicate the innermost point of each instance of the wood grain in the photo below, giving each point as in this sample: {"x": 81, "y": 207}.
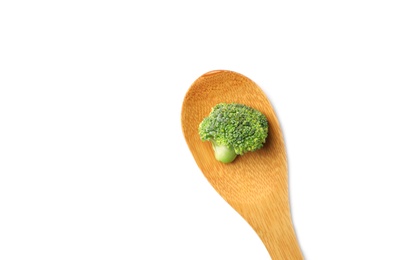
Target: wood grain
{"x": 255, "y": 184}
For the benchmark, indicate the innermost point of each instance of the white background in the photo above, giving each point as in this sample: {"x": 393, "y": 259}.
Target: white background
{"x": 93, "y": 164}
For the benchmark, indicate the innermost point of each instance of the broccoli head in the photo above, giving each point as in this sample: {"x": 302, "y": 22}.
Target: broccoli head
{"x": 234, "y": 129}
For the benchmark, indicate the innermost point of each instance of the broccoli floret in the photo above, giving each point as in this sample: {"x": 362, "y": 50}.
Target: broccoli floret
{"x": 234, "y": 129}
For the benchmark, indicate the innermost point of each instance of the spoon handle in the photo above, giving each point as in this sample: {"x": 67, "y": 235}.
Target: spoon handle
{"x": 281, "y": 241}
{"x": 274, "y": 226}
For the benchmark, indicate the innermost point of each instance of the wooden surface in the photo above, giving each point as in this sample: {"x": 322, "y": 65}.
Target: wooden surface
{"x": 255, "y": 184}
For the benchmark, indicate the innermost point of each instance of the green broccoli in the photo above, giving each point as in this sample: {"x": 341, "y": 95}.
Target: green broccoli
{"x": 234, "y": 129}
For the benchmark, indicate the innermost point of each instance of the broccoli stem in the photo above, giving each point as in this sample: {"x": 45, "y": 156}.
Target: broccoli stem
{"x": 223, "y": 153}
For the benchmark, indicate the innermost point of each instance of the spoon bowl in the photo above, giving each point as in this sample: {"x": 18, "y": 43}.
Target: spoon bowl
{"x": 256, "y": 183}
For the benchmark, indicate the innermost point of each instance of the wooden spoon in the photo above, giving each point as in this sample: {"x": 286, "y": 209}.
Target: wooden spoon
{"x": 256, "y": 183}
